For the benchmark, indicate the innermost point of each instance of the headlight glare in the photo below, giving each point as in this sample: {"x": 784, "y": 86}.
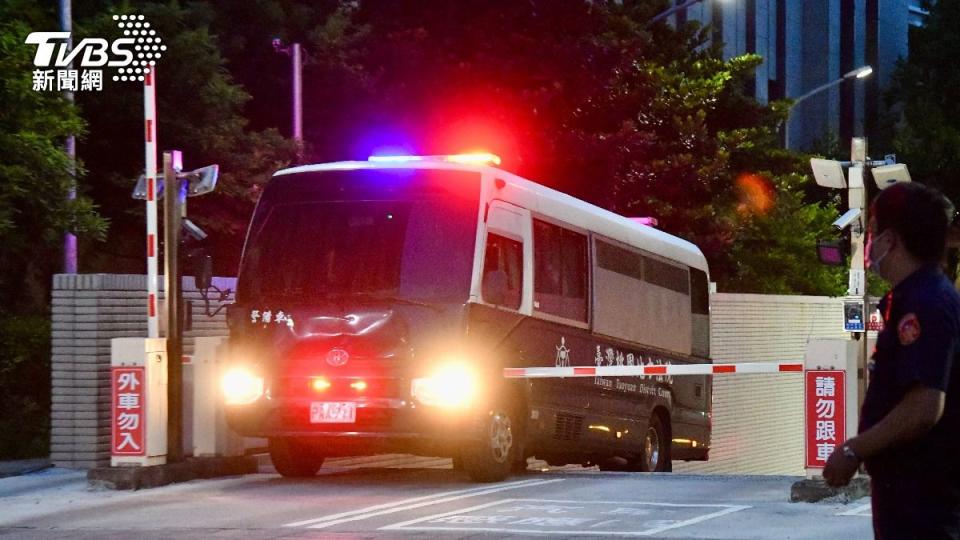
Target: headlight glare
{"x": 453, "y": 386}
{"x": 241, "y": 386}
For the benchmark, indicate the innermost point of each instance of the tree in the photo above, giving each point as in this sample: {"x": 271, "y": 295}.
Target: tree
{"x": 583, "y": 97}
{"x": 925, "y": 90}
{"x": 200, "y": 111}
{"x": 35, "y": 177}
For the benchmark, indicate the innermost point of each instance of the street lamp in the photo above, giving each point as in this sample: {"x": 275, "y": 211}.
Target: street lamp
{"x": 296, "y": 67}
{"x": 859, "y": 73}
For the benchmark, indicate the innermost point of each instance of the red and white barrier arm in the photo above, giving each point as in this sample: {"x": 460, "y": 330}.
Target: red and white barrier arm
{"x": 636, "y": 371}
{"x": 150, "y": 154}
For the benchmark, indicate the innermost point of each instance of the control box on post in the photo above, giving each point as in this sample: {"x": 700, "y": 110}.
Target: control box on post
{"x": 138, "y": 401}
{"x": 211, "y": 436}
{"x": 831, "y": 407}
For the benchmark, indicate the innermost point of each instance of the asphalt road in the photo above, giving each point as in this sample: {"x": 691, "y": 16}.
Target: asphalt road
{"x": 404, "y": 497}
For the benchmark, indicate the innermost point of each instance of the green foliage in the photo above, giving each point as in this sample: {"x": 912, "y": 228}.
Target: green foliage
{"x": 926, "y": 90}
{"x": 775, "y": 251}
{"x": 925, "y": 111}
{"x": 200, "y": 112}
{"x": 583, "y": 97}
{"x": 35, "y": 177}
{"x": 24, "y": 386}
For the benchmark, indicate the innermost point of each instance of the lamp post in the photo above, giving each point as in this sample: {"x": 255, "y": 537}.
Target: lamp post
{"x": 70, "y": 147}
{"x": 296, "y": 68}
{"x": 829, "y": 173}
{"x": 859, "y": 73}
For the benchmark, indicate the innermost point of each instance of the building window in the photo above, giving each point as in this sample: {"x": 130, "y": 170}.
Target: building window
{"x": 560, "y": 271}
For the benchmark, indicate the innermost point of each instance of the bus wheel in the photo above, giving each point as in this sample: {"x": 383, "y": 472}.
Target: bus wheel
{"x": 655, "y": 452}
{"x": 491, "y": 459}
{"x": 294, "y": 459}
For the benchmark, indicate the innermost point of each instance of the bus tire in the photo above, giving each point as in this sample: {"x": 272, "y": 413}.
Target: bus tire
{"x": 519, "y": 465}
{"x": 294, "y": 459}
{"x": 655, "y": 449}
{"x": 493, "y": 456}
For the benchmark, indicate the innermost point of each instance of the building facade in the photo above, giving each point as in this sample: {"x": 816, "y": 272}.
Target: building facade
{"x": 808, "y": 43}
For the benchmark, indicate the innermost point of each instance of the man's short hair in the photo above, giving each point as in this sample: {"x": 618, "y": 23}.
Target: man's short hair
{"x": 920, "y": 216}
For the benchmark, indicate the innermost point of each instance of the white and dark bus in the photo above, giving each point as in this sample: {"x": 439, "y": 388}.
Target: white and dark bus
{"x": 379, "y": 301}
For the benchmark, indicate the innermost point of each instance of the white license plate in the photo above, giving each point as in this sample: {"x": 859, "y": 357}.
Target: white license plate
{"x": 333, "y": 412}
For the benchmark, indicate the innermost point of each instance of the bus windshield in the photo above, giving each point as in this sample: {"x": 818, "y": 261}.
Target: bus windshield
{"x": 406, "y": 234}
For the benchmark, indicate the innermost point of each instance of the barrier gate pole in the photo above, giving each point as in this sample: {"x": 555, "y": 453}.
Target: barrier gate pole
{"x": 150, "y": 146}
{"x": 175, "y": 193}
{"x": 652, "y": 370}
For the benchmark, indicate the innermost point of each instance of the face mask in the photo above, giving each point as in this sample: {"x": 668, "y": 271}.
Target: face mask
{"x": 873, "y": 260}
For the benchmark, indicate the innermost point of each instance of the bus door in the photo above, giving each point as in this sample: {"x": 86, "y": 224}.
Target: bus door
{"x": 503, "y": 281}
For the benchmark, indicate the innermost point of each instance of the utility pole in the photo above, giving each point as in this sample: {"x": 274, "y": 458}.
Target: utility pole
{"x": 70, "y": 147}
{"x": 296, "y": 67}
{"x": 176, "y": 187}
{"x": 174, "y": 201}
{"x": 857, "y": 199}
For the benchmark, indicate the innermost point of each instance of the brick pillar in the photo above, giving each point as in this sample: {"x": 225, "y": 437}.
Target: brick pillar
{"x": 88, "y": 310}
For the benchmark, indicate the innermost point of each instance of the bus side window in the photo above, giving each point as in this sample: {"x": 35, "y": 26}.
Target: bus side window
{"x": 506, "y": 255}
{"x": 560, "y": 271}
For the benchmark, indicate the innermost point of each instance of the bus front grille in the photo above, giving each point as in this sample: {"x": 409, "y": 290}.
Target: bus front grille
{"x": 567, "y": 427}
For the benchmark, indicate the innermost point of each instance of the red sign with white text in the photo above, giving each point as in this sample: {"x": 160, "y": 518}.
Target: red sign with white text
{"x": 825, "y": 415}
{"x": 128, "y": 411}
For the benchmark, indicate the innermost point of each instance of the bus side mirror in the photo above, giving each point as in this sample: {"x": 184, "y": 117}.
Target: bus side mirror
{"x": 494, "y": 287}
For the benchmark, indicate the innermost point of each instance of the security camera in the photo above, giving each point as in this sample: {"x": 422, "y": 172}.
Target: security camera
{"x": 828, "y": 173}
{"x": 888, "y": 175}
{"x": 847, "y": 218}
{"x": 193, "y": 230}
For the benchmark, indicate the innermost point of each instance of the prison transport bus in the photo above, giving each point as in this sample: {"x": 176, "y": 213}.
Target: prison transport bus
{"x": 379, "y": 301}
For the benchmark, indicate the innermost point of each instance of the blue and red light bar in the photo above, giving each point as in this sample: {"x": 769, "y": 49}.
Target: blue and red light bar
{"x": 479, "y": 158}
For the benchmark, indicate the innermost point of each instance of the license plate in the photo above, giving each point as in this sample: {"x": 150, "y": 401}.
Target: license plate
{"x": 333, "y": 412}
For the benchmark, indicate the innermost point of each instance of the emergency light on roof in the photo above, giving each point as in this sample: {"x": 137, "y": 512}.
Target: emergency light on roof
{"x": 648, "y": 221}
{"x": 480, "y": 158}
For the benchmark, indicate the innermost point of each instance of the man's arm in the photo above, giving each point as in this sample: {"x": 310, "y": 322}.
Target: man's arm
{"x": 915, "y": 415}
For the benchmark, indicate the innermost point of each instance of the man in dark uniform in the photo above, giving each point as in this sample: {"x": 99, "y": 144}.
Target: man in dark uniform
{"x": 910, "y": 423}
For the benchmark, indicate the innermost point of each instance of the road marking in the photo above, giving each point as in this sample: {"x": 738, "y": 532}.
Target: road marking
{"x": 408, "y": 525}
{"x": 405, "y": 525}
{"x": 857, "y": 511}
{"x": 728, "y": 510}
{"x": 410, "y": 504}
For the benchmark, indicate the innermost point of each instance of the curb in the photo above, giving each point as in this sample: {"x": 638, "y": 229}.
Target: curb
{"x": 23, "y": 466}
{"x": 815, "y": 490}
{"x": 122, "y": 478}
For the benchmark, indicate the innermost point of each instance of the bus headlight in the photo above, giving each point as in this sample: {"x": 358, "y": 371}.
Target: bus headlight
{"x": 452, "y": 386}
{"x": 241, "y": 386}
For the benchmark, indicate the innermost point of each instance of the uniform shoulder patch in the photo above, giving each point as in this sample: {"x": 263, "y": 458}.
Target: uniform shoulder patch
{"x": 908, "y": 329}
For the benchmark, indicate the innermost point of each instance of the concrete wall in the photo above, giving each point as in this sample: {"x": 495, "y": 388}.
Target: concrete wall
{"x": 88, "y": 311}
{"x": 757, "y": 419}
